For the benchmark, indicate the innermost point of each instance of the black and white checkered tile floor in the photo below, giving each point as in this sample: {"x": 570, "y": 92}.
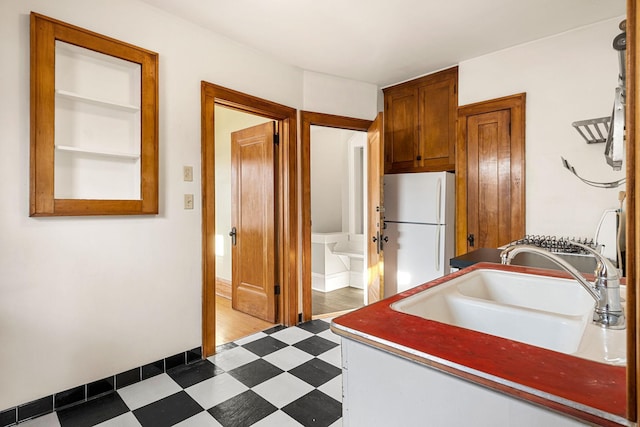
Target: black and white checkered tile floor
{"x": 280, "y": 377}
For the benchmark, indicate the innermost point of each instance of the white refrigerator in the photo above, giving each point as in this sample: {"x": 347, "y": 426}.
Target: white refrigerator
{"x": 419, "y": 216}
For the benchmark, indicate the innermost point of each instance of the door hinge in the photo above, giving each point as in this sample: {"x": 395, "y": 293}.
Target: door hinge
{"x": 276, "y": 139}
{"x": 277, "y": 289}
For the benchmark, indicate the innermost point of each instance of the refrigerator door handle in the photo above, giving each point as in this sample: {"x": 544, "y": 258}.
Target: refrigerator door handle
{"x": 437, "y": 248}
{"x": 439, "y": 201}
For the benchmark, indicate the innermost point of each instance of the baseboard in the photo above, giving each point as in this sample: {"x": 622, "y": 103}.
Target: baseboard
{"x": 223, "y": 288}
{"x": 87, "y": 392}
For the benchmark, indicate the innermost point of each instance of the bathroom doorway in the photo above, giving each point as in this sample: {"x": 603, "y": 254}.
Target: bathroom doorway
{"x": 334, "y": 197}
{"x": 338, "y": 203}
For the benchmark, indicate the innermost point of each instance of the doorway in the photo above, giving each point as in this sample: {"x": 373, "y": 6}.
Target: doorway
{"x": 338, "y": 203}
{"x": 326, "y": 243}
{"x": 231, "y": 323}
{"x": 285, "y": 203}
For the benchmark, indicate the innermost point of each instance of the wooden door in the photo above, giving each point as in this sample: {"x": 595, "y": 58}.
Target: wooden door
{"x": 253, "y": 264}
{"x": 401, "y": 142}
{"x": 375, "y": 211}
{"x": 490, "y": 174}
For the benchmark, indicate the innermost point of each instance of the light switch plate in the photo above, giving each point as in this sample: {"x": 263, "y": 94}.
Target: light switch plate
{"x": 188, "y": 201}
{"x": 187, "y": 173}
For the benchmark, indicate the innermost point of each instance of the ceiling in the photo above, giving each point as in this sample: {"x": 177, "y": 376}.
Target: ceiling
{"x": 386, "y": 41}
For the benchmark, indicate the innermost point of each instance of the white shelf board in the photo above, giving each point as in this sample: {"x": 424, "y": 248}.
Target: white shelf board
{"x": 132, "y": 156}
{"x": 77, "y": 97}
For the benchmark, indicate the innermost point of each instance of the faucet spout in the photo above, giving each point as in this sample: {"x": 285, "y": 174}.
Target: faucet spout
{"x": 605, "y": 291}
{"x": 507, "y": 255}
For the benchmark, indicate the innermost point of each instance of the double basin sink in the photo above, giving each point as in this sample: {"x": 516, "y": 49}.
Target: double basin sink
{"x": 548, "y": 312}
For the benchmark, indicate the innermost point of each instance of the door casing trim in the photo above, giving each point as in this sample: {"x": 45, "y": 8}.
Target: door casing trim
{"x": 286, "y": 204}
{"x": 516, "y": 104}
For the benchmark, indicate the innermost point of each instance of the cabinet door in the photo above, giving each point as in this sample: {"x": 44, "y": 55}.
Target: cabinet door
{"x": 400, "y": 135}
{"x": 437, "y": 103}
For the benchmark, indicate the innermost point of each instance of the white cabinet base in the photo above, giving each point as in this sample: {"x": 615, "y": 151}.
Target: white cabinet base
{"x": 381, "y": 389}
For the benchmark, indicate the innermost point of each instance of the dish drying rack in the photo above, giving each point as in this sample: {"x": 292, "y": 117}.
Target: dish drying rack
{"x": 559, "y": 245}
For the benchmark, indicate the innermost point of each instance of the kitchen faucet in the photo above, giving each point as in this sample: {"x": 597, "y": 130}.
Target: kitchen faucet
{"x": 605, "y": 290}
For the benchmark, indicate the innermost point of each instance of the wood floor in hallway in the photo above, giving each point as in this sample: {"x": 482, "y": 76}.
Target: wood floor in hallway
{"x": 232, "y": 324}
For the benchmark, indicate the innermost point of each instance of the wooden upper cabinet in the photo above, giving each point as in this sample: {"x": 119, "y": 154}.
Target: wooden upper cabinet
{"x": 420, "y": 123}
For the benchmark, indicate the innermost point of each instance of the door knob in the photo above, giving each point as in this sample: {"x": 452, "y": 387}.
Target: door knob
{"x": 233, "y": 233}
{"x": 471, "y": 239}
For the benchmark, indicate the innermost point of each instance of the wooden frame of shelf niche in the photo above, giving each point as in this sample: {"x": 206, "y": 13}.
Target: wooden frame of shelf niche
{"x": 633, "y": 212}
{"x": 44, "y": 33}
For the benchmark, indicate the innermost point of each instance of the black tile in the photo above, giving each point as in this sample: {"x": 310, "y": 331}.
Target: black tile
{"x": 274, "y": 329}
{"x": 175, "y": 360}
{"x": 168, "y": 411}
{"x": 316, "y": 372}
{"x": 314, "y": 326}
{"x": 100, "y": 387}
{"x": 315, "y": 345}
{"x": 93, "y": 412}
{"x": 8, "y": 417}
{"x": 70, "y": 397}
{"x": 256, "y": 372}
{"x": 314, "y": 409}
{"x": 188, "y": 375}
{"x": 35, "y": 408}
{"x": 152, "y": 369}
{"x": 129, "y": 377}
{"x": 194, "y": 355}
{"x": 226, "y": 346}
{"x": 242, "y": 410}
{"x": 264, "y": 346}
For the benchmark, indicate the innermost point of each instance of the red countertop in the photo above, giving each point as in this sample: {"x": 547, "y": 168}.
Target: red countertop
{"x": 587, "y": 390}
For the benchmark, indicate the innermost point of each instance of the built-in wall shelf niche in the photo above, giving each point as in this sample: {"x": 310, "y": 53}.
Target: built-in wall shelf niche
{"x": 94, "y": 123}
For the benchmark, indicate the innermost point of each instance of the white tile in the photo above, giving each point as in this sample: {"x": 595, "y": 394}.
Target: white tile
{"x": 232, "y": 358}
{"x": 124, "y": 420}
{"x": 155, "y": 388}
{"x": 288, "y": 358}
{"x": 333, "y": 356}
{"x": 202, "y": 419}
{"x": 49, "y": 420}
{"x": 250, "y": 338}
{"x": 292, "y": 335}
{"x": 277, "y": 419}
{"x": 330, "y": 336}
{"x": 283, "y": 389}
{"x": 213, "y": 391}
{"x": 333, "y": 388}
{"x": 338, "y": 423}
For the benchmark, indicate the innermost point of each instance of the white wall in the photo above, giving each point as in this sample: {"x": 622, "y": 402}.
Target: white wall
{"x": 323, "y": 93}
{"x": 84, "y": 298}
{"x": 568, "y": 77}
{"x": 329, "y": 179}
{"x": 227, "y": 121}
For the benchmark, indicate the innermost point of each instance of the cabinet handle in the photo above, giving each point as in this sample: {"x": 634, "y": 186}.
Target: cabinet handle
{"x": 419, "y": 158}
